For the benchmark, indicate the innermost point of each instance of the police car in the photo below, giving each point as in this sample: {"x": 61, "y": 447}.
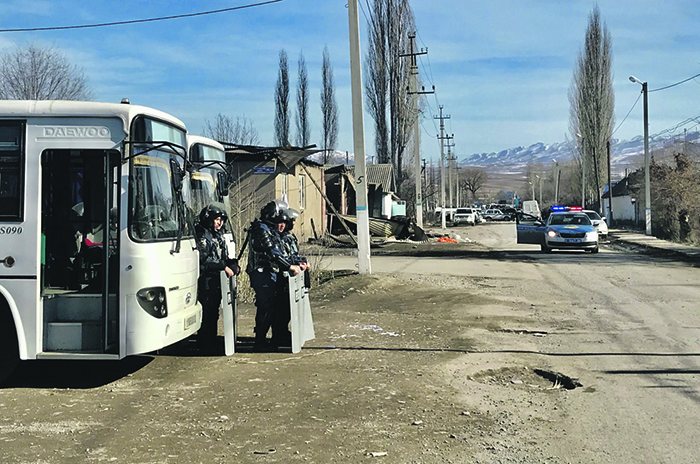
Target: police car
{"x": 566, "y": 228}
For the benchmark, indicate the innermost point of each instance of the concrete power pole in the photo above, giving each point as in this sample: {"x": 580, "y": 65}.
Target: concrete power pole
{"x": 451, "y": 177}
{"x": 358, "y": 126}
{"x": 442, "y": 167}
{"x": 413, "y": 52}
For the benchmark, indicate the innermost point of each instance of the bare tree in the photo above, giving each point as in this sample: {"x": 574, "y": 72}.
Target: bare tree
{"x": 282, "y": 103}
{"x": 389, "y": 23}
{"x": 473, "y": 180}
{"x": 329, "y": 108}
{"x": 31, "y": 72}
{"x": 225, "y": 129}
{"x": 377, "y": 82}
{"x": 303, "y": 123}
{"x": 592, "y": 102}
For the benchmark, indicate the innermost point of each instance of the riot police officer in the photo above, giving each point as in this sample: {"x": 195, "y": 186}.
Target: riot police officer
{"x": 267, "y": 261}
{"x": 290, "y": 241}
{"x": 213, "y": 258}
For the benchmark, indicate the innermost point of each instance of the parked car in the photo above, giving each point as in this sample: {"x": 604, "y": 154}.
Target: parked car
{"x": 509, "y": 213}
{"x": 493, "y": 215}
{"x": 464, "y": 216}
{"x": 598, "y": 222}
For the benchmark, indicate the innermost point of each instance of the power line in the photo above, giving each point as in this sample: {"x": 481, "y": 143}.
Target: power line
{"x": 673, "y": 129}
{"x": 363, "y": 11}
{"x": 628, "y": 113}
{"x": 134, "y": 21}
{"x": 677, "y": 83}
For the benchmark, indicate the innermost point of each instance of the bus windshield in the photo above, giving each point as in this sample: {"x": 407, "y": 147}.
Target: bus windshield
{"x": 208, "y": 163}
{"x": 156, "y": 202}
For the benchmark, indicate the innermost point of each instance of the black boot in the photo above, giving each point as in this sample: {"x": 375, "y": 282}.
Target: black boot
{"x": 283, "y": 340}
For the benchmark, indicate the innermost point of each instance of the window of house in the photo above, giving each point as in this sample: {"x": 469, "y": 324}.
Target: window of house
{"x": 283, "y": 185}
{"x": 302, "y": 192}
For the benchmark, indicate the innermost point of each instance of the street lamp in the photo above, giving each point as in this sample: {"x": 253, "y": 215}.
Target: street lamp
{"x": 647, "y": 190}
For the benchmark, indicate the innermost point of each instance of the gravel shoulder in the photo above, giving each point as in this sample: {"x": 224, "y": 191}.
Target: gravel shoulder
{"x": 402, "y": 368}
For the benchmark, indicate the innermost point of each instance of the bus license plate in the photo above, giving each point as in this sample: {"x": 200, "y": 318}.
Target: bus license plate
{"x": 573, "y": 240}
{"x": 190, "y": 321}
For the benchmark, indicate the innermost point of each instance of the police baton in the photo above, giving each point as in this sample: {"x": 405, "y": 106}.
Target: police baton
{"x": 245, "y": 244}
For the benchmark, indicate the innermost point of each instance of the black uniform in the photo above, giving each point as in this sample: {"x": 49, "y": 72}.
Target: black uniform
{"x": 267, "y": 261}
{"x": 213, "y": 258}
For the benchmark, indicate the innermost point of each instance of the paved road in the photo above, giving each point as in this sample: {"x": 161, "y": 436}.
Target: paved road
{"x": 626, "y": 324}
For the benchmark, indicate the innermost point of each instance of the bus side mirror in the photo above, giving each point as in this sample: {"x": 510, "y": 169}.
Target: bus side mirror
{"x": 177, "y": 175}
{"x": 222, "y": 184}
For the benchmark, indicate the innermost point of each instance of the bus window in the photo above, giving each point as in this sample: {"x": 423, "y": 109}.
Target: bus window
{"x": 156, "y": 213}
{"x": 11, "y": 162}
{"x": 155, "y": 208}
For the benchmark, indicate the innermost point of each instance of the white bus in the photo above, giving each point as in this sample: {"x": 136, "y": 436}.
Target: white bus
{"x": 97, "y": 260}
{"x": 209, "y": 180}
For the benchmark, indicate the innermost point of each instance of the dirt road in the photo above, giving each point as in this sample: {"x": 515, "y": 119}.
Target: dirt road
{"x": 447, "y": 355}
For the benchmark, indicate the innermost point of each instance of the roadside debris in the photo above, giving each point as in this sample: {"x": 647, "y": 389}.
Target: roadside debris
{"x": 447, "y": 240}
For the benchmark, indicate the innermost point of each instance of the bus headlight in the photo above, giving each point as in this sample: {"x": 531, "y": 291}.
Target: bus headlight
{"x": 152, "y": 300}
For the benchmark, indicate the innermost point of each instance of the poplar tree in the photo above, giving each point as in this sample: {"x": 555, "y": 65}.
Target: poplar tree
{"x": 329, "y": 108}
{"x": 592, "y": 104}
{"x": 302, "y": 120}
{"x": 282, "y": 102}
{"x": 387, "y": 83}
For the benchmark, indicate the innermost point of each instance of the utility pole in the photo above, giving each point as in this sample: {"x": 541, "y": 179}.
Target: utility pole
{"x": 358, "y": 128}
{"x": 441, "y": 137}
{"x": 647, "y": 184}
{"x": 450, "y": 167}
{"x": 556, "y": 181}
{"x": 416, "y": 123}
{"x": 583, "y": 173}
{"x": 610, "y": 196}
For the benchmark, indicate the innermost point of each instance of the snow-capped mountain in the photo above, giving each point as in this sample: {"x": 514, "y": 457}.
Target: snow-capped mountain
{"x": 625, "y": 154}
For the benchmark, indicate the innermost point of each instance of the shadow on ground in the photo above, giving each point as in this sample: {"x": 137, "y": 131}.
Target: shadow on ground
{"x": 73, "y": 374}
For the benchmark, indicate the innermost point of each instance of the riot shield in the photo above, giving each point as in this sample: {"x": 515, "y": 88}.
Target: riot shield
{"x": 230, "y": 310}
{"x": 301, "y": 323}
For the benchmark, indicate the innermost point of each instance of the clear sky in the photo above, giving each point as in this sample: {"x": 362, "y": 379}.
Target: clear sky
{"x": 501, "y": 68}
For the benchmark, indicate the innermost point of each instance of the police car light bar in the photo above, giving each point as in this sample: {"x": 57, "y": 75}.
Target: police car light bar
{"x": 567, "y": 208}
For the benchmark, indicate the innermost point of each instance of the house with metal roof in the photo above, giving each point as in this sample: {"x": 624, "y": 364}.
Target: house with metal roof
{"x": 382, "y": 202}
{"x": 262, "y": 174}
{"x": 626, "y": 195}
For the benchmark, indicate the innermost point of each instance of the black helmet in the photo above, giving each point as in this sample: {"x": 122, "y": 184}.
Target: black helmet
{"x": 289, "y": 215}
{"x": 274, "y": 211}
{"x": 211, "y": 212}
